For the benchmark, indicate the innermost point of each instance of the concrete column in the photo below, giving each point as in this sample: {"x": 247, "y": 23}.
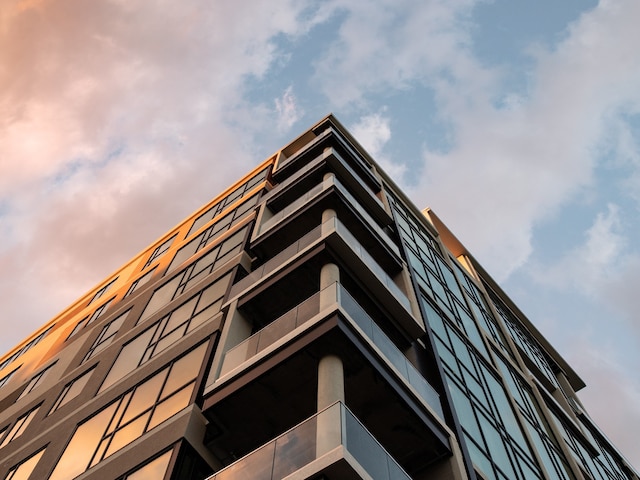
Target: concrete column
{"x": 330, "y": 381}
{"x": 327, "y": 225}
{"x": 330, "y": 390}
{"x": 329, "y": 275}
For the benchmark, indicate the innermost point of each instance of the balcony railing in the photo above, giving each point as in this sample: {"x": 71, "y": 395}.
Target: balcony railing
{"x": 293, "y": 206}
{"x": 305, "y": 312}
{"x": 389, "y": 350}
{"x": 366, "y": 257}
{"x": 309, "y": 441}
{"x": 350, "y": 199}
{"x": 309, "y": 239}
{"x": 272, "y": 333}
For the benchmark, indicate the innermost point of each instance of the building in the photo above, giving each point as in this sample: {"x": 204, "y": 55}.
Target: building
{"x": 307, "y": 323}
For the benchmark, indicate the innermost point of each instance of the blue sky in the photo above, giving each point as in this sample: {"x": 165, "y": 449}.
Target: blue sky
{"x": 517, "y": 122}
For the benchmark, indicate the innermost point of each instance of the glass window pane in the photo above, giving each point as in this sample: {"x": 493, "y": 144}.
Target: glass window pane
{"x": 80, "y": 449}
{"x": 126, "y": 435}
{"x": 72, "y": 390}
{"x": 156, "y": 469}
{"x": 172, "y": 405}
{"x": 22, "y": 471}
{"x": 161, "y": 297}
{"x": 144, "y": 396}
{"x": 184, "y": 370}
{"x": 129, "y": 358}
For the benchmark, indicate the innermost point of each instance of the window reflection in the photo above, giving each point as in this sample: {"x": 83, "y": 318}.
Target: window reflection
{"x": 24, "y": 469}
{"x": 19, "y": 427}
{"x": 168, "y": 330}
{"x": 134, "y": 413}
{"x": 155, "y": 469}
{"x": 72, "y": 390}
{"x": 106, "y": 335}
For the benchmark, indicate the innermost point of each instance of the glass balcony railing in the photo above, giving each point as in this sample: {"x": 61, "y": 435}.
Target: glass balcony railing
{"x": 333, "y": 427}
{"x": 389, "y": 350}
{"x": 306, "y": 311}
{"x": 293, "y": 206}
{"x": 308, "y": 239}
{"x": 273, "y": 332}
{"x": 277, "y": 261}
{"x": 350, "y": 199}
{"x": 371, "y": 262}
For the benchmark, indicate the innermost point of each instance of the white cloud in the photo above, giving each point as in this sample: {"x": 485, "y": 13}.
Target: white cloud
{"x": 373, "y": 132}
{"x": 117, "y": 121}
{"x": 512, "y": 168}
{"x": 287, "y": 109}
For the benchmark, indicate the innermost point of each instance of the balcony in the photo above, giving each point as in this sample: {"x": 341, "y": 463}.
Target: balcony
{"x": 333, "y": 442}
{"x": 329, "y": 138}
{"x": 356, "y": 256}
{"x": 293, "y": 206}
{"x": 313, "y": 173}
{"x": 296, "y": 321}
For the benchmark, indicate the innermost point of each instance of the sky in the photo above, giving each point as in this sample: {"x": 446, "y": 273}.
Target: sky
{"x": 517, "y": 122}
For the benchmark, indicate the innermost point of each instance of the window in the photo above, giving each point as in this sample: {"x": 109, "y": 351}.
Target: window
{"x": 4, "y": 380}
{"x": 106, "y": 335}
{"x": 212, "y": 233}
{"x": 131, "y": 415}
{"x": 195, "y": 272}
{"x": 25, "y": 468}
{"x": 71, "y": 390}
{"x": 99, "y": 311}
{"x": 19, "y": 427}
{"x": 168, "y": 330}
{"x": 102, "y": 291}
{"x": 139, "y": 282}
{"x": 238, "y": 193}
{"x": 25, "y": 348}
{"x": 78, "y": 327}
{"x": 155, "y": 469}
{"x": 159, "y": 251}
{"x": 35, "y": 381}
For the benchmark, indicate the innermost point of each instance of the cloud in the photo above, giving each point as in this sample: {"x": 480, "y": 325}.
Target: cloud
{"x": 117, "y": 120}
{"x": 373, "y": 132}
{"x": 513, "y": 165}
{"x": 287, "y": 109}
{"x": 395, "y": 44}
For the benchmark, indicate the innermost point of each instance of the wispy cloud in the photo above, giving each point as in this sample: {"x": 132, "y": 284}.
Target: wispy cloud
{"x": 287, "y": 109}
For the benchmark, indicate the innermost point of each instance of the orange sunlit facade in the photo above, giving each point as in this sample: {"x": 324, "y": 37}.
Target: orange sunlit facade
{"x": 311, "y": 323}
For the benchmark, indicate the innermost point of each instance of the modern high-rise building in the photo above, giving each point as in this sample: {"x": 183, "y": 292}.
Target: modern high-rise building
{"x": 307, "y": 323}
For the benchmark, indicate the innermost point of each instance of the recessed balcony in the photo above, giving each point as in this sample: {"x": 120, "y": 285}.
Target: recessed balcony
{"x": 333, "y": 442}
{"x": 313, "y": 173}
{"x": 329, "y": 138}
{"x": 302, "y": 214}
{"x": 294, "y": 323}
{"x": 355, "y": 256}
{"x": 276, "y": 389}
